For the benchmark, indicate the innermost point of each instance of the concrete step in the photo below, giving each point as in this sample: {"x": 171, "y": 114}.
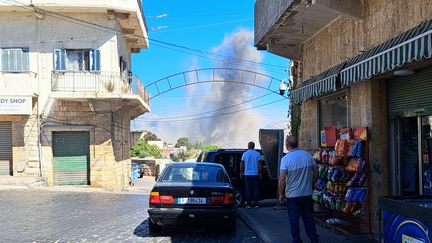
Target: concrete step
{"x": 21, "y": 181}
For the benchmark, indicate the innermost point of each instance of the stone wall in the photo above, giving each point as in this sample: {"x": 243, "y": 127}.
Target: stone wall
{"x": 345, "y": 38}
{"x": 109, "y": 141}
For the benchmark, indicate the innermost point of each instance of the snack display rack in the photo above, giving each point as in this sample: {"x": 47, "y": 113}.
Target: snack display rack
{"x": 342, "y": 191}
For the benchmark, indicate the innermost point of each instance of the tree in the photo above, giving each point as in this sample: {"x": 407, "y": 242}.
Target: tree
{"x": 182, "y": 142}
{"x": 182, "y": 155}
{"x": 142, "y": 149}
{"x": 210, "y": 147}
{"x": 149, "y": 136}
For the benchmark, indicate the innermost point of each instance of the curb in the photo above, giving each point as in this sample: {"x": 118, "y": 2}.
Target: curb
{"x": 254, "y": 225}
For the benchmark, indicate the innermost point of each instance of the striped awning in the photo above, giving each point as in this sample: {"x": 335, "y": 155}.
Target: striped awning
{"x": 321, "y": 84}
{"x": 415, "y": 44}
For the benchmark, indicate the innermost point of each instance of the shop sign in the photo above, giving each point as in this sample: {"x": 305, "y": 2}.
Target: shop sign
{"x": 15, "y": 105}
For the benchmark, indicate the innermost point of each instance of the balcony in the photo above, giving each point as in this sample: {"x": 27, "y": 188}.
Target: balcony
{"x": 116, "y": 88}
{"x": 282, "y": 26}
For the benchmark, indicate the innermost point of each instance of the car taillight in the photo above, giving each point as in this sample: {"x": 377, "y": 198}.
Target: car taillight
{"x": 228, "y": 199}
{"x": 154, "y": 198}
{"x": 166, "y": 200}
{"x": 217, "y": 200}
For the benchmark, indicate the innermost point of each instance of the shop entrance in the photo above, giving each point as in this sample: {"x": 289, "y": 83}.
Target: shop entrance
{"x": 5, "y": 148}
{"x": 71, "y": 158}
{"x": 413, "y": 155}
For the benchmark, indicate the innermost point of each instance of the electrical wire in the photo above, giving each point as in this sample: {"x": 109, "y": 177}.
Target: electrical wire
{"x": 202, "y": 26}
{"x": 223, "y": 114}
{"x": 223, "y": 108}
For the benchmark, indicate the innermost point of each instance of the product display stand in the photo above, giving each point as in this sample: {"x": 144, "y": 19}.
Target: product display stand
{"x": 342, "y": 191}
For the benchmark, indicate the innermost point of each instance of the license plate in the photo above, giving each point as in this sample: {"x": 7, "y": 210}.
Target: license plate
{"x": 191, "y": 200}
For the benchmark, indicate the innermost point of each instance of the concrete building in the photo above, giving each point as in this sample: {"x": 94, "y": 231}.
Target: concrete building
{"x": 67, "y": 94}
{"x": 360, "y": 64}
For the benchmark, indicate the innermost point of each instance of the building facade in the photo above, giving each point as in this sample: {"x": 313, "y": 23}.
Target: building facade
{"x": 67, "y": 94}
{"x": 360, "y": 64}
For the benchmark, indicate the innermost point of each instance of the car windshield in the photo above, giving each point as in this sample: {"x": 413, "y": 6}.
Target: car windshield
{"x": 191, "y": 173}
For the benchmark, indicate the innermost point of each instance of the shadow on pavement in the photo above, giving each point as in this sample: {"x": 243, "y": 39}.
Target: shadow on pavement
{"x": 199, "y": 233}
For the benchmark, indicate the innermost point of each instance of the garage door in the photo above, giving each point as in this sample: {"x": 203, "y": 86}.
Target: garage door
{"x": 5, "y": 148}
{"x": 71, "y": 157}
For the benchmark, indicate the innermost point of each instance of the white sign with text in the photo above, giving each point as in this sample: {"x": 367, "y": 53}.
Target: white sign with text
{"x": 15, "y": 105}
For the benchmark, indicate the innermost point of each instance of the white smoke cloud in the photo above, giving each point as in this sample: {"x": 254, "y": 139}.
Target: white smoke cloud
{"x": 229, "y": 131}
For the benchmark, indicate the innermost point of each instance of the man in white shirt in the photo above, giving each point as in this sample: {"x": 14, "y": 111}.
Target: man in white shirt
{"x": 250, "y": 169}
{"x": 297, "y": 171}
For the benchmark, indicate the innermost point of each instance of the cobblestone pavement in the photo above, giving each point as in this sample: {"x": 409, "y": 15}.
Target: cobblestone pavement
{"x": 61, "y": 216}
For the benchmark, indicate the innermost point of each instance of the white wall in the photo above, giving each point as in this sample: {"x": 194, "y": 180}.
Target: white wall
{"x": 42, "y": 36}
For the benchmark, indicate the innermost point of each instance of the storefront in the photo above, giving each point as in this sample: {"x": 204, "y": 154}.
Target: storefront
{"x": 410, "y": 114}
{"x": 386, "y": 90}
{"x": 14, "y": 113}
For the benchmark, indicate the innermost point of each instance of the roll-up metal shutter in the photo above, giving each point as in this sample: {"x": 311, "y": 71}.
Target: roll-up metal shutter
{"x": 5, "y": 148}
{"x": 71, "y": 158}
{"x": 410, "y": 95}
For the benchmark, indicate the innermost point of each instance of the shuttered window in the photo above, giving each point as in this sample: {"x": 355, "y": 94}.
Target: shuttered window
{"x": 15, "y": 60}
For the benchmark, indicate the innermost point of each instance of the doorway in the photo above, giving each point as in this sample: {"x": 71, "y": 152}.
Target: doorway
{"x": 412, "y": 155}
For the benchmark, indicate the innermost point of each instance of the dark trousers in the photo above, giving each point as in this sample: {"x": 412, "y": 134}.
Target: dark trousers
{"x": 252, "y": 190}
{"x": 301, "y": 207}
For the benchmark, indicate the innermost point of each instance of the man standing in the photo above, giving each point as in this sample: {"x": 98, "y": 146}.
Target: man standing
{"x": 295, "y": 189}
{"x": 250, "y": 169}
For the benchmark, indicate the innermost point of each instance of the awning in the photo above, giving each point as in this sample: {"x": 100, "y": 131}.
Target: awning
{"x": 323, "y": 83}
{"x": 415, "y": 44}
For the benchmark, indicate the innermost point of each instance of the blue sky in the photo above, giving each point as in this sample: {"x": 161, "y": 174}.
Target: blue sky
{"x": 223, "y": 28}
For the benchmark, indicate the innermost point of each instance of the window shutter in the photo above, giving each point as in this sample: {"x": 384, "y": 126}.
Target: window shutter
{"x": 4, "y": 60}
{"x": 25, "y": 56}
{"x": 60, "y": 60}
{"x": 95, "y": 60}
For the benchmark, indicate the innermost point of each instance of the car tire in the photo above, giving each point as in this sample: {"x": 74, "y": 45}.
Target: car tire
{"x": 153, "y": 227}
{"x": 239, "y": 198}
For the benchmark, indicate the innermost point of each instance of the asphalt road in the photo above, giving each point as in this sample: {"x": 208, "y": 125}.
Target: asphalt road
{"x": 64, "y": 216}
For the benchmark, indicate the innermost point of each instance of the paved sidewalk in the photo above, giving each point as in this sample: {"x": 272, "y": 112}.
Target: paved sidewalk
{"x": 273, "y": 226}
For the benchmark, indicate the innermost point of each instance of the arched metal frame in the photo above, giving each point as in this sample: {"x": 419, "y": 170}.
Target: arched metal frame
{"x": 213, "y": 75}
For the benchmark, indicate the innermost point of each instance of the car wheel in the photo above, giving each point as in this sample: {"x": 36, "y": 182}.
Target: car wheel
{"x": 239, "y": 198}
{"x": 153, "y": 227}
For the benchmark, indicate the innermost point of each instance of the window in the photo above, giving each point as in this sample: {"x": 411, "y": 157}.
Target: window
{"x": 15, "y": 59}
{"x": 333, "y": 111}
{"x": 69, "y": 60}
{"x": 195, "y": 174}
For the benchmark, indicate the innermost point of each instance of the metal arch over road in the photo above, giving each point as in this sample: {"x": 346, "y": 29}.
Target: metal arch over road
{"x": 213, "y": 75}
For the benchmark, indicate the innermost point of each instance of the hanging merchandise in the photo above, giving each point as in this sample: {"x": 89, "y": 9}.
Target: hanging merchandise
{"x": 341, "y": 189}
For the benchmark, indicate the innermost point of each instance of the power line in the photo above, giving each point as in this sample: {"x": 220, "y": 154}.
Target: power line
{"x": 203, "y": 26}
{"x": 66, "y": 18}
{"x": 223, "y": 108}
{"x": 223, "y": 114}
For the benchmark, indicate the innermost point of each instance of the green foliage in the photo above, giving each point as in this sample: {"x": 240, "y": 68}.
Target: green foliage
{"x": 183, "y": 142}
{"x": 210, "y": 147}
{"x": 149, "y": 136}
{"x": 183, "y": 155}
{"x": 142, "y": 149}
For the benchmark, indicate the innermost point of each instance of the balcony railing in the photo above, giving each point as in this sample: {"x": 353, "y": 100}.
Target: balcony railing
{"x": 101, "y": 82}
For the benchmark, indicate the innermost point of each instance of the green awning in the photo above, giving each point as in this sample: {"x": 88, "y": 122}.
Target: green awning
{"x": 321, "y": 84}
{"x": 414, "y": 44}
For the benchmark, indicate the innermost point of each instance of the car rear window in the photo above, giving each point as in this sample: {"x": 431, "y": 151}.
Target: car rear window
{"x": 185, "y": 173}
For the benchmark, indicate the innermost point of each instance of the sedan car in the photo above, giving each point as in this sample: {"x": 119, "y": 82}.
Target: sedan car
{"x": 191, "y": 193}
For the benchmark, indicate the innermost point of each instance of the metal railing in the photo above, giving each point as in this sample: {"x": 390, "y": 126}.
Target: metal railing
{"x": 99, "y": 82}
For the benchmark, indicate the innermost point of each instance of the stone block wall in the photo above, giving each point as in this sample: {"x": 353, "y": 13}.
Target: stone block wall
{"x": 109, "y": 141}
